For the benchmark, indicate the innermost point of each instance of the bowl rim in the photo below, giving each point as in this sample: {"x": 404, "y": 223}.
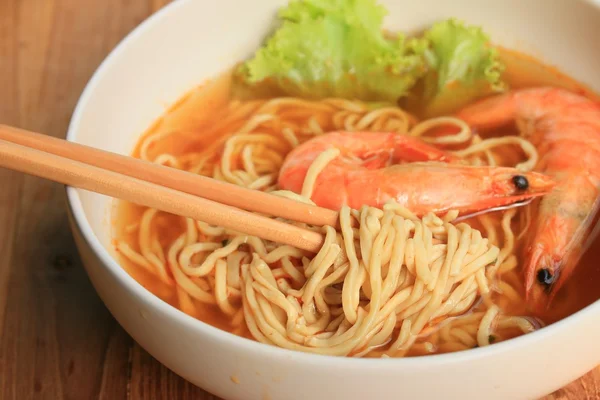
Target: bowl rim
{"x": 242, "y": 344}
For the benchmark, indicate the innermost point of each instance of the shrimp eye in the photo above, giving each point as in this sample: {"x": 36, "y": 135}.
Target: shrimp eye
{"x": 545, "y": 277}
{"x": 520, "y": 182}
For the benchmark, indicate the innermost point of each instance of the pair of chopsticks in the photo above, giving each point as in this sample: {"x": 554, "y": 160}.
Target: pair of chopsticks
{"x": 163, "y": 188}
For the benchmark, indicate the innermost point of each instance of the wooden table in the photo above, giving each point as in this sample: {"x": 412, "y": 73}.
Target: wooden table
{"x": 58, "y": 341}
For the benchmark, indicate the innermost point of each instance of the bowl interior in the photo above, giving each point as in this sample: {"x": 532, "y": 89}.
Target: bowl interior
{"x": 191, "y": 41}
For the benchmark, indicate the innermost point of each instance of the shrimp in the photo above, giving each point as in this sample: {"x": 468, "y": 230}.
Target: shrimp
{"x": 565, "y": 128}
{"x": 374, "y": 168}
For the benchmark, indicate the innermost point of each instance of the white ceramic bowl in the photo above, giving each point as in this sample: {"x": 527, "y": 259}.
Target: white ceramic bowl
{"x": 192, "y": 40}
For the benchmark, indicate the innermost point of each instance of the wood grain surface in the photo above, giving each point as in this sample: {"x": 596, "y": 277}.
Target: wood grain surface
{"x": 57, "y": 340}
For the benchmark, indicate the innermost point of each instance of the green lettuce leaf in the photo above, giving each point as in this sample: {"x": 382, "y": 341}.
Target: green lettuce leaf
{"x": 336, "y": 48}
{"x": 462, "y": 67}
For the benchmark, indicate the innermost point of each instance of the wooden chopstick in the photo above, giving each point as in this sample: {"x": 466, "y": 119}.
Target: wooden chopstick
{"x": 212, "y": 189}
{"x": 81, "y": 175}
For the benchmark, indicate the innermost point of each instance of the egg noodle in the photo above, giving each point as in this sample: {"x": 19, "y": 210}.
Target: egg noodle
{"x": 385, "y": 284}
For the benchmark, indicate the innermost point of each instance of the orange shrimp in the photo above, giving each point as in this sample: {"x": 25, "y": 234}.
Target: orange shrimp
{"x": 364, "y": 174}
{"x": 565, "y": 128}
